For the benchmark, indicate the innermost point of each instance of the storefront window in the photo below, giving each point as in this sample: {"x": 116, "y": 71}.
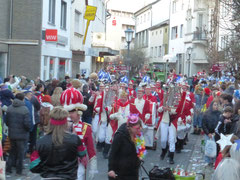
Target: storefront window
{"x": 51, "y": 68}
{"x": 61, "y": 69}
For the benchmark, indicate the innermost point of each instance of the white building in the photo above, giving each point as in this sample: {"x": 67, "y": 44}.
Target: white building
{"x": 78, "y": 26}
{"x": 56, "y": 58}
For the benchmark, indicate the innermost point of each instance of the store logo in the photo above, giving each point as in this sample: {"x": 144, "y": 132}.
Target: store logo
{"x": 51, "y": 35}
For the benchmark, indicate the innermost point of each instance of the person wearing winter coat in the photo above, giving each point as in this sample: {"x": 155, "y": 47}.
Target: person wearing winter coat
{"x": 18, "y": 122}
{"x": 56, "y": 96}
{"x": 227, "y": 123}
{"x": 210, "y": 121}
{"x": 58, "y": 152}
{"x": 124, "y": 162}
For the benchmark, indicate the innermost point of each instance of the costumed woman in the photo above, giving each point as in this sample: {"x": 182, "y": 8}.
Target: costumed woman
{"x": 127, "y": 150}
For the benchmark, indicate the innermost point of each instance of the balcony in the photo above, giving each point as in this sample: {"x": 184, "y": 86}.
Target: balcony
{"x": 200, "y": 37}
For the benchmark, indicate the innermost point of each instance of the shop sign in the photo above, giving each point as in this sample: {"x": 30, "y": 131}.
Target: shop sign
{"x": 218, "y": 67}
{"x": 114, "y": 22}
{"x": 51, "y": 35}
{"x": 120, "y": 68}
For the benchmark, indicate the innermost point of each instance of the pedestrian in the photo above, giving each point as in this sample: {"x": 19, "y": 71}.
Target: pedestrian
{"x": 124, "y": 161}
{"x": 18, "y": 122}
{"x": 209, "y": 123}
{"x": 87, "y": 115}
{"x": 56, "y": 96}
{"x": 57, "y": 153}
{"x": 226, "y": 100}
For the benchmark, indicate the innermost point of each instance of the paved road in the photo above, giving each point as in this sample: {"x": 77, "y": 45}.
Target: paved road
{"x": 183, "y": 159}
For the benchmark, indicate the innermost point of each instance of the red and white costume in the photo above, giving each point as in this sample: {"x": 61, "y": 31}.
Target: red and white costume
{"x": 142, "y": 108}
{"x": 132, "y": 93}
{"x": 119, "y": 115}
{"x": 72, "y": 99}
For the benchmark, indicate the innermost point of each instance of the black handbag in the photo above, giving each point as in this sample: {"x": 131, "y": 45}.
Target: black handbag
{"x": 161, "y": 174}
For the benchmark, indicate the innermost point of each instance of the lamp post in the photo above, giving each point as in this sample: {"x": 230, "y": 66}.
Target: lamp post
{"x": 129, "y": 36}
{"x": 189, "y": 54}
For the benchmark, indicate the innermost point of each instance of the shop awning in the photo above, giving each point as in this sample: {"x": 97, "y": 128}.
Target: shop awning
{"x": 170, "y": 58}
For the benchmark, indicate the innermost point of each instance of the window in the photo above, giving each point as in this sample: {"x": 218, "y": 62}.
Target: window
{"x": 200, "y": 21}
{"x": 103, "y": 13}
{"x": 152, "y": 33}
{"x": 144, "y": 17}
{"x": 181, "y": 31}
{"x": 141, "y": 20}
{"x": 138, "y": 21}
{"x": 174, "y": 32}
{"x": 159, "y": 51}
{"x": 151, "y": 52}
{"x": 77, "y": 22}
{"x": 51, "y": 13}
{"x": 160, "y": 31}
{"x": 165, "y": 30}
{"x": 148, "y": 16}
{"x": 63, "y": 15}
{"x": 156, "y": 32}
{"x": 174, "y": 7}
{"x": 156, "y": 51}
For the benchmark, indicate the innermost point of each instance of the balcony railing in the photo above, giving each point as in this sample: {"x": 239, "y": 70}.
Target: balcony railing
{"x": 199, "y": 36}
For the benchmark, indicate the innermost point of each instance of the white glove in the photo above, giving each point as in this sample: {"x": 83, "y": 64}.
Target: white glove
{"x": 92, "y": 168}
{"x": 188, "y": 118}
{"x": 160, "y": 109}
{"x": 98, "y": 109}
{"x": 4, "y": 108}
{"x": 192, "y": 111}
{"x": 147, "y": 116}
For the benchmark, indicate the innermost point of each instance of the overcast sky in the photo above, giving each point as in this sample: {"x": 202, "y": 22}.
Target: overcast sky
{"x": 127, "y": 5}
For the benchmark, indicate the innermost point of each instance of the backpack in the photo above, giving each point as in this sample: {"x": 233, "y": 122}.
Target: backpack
{"x": 44, "y": 115}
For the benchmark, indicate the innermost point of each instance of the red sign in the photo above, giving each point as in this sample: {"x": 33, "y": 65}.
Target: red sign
{"x": 218, "y": 67}
{"x": 120, "y": 68}
{"x": 114, "y": 22}
{"x": 51, "y": 35}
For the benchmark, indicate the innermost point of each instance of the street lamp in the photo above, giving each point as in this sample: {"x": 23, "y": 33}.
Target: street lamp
{"x": 129, "y": 36}
{"x": 189, "y": 53}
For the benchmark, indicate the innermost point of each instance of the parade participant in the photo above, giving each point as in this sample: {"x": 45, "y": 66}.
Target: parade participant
{"x": 119, "y": 114}
{"x": 39, "y": 91}
{"x": 148, "y": 95}
{"x": 184, "y": 116}
{"x": 57, "y": 153}
{"x": 72, "y": 101}
{"x": 159, "y": 91}
{"x": 132, "y": 92}
{"x": 141, "y": 107}
{"x": 127, "y": 151}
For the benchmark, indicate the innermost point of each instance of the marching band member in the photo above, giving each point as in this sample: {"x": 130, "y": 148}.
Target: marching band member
{"x": 131, "y": 91}
{"x": 72, "y": 101}
{"x": 141, "y": 107}
{"x": 168, "y": 131}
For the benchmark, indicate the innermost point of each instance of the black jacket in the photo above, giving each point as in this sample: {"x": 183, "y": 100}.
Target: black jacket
{"x": 18, "y": 120}
{"x": 89, "y": 111}
{"x": 37, "y": 107}
{"x": 58, "y": 161}
{"x": 228, "y": 128}
{"x": 210, "y": 120}
{"x": 123, "y": 158}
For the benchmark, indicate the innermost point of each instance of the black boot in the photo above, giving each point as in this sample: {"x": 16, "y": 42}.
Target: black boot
{"x": 164, "y": 151}
{"x": 181, "y": 144}
{"x": 171, "y": 158}
{"x": 100, "y": 146}
{"x": 106, "y": 150}
{"x": 178, "y": 146}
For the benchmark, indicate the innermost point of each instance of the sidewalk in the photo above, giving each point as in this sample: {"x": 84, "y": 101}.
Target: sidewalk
{"x": 197, "y": 163}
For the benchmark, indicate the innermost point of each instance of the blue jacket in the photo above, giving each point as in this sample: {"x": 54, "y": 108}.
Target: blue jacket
{"x": 30, "y": 107}
{"x": 6, "y": 96}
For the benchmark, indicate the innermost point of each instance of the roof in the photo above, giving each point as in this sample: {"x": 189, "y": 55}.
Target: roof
{"x": 145, "y": 8}
{"x": 164, "y": 23}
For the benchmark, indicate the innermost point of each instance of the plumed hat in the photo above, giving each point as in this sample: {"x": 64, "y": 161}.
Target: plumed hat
{"x": 72, "y": 99}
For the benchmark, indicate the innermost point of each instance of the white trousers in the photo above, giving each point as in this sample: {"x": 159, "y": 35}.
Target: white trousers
{"x": 80, "y": 172}
{"x": 182, "y": 131}
{"x": 95, "y": 125}
{"x": 168, "y": 135}
{"x": 102, "y": 134}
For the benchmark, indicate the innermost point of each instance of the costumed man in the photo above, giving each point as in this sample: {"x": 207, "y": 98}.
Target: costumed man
{"x": 118, "y": 115}
{"x": 159, "y": 91}
{"x": 96, "y": 97}
{"x": 184, "y": 116}
{"x": 72, "y": 101}
{"x": 141, "y": 107}
{"x": 102, "y": 113}
{"x": 168, "y": 126}
{"x": 153, "y": 103}
{"x": 131, "y": 91}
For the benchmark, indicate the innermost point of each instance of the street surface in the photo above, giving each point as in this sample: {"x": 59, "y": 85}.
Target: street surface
{"x": 191, "y": 158}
